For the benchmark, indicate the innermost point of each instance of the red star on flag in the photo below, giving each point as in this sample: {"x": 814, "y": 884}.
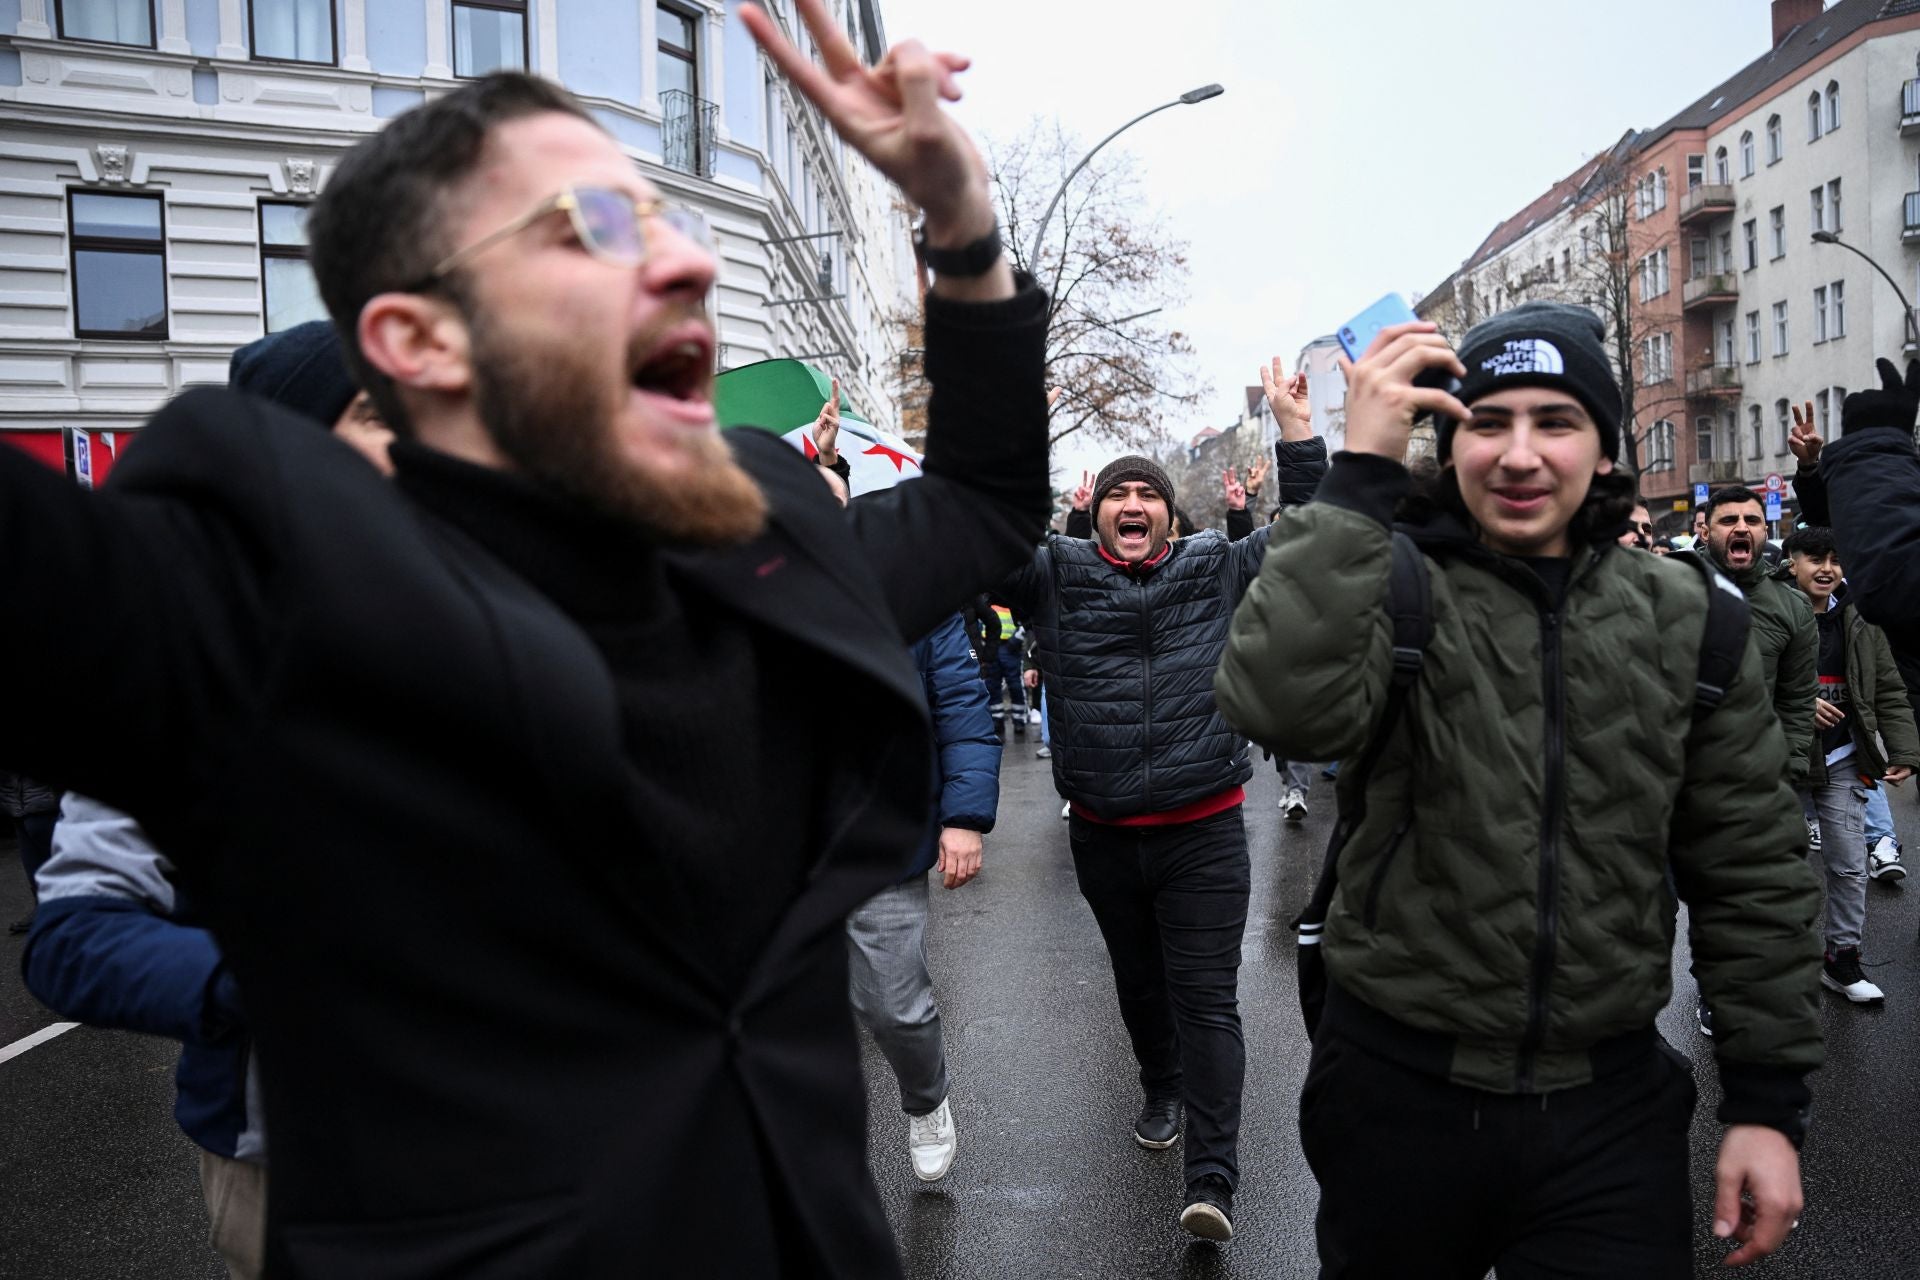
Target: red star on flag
{"x": 892, "y": 455}
{"x": 812, "y": 450}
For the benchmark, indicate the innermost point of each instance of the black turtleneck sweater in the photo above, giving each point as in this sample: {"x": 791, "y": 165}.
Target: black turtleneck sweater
{"x": 723, "y": 758}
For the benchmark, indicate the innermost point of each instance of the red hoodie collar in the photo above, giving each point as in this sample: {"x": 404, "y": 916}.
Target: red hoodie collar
{"x": 1134, "y": 568}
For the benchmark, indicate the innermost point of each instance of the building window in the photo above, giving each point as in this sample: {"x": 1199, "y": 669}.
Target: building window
{"x": 1818, "y": 204}
{"x": 1724, "y": 259}
{"x": 1775, "y": 148}
{"x": 1754, "y": 429}
{"x": 1779, "y": 328}
{"x": 1703, "y": 439}
{"x": 1655, "y": 279}
{"x": 1777, "y": 224}
{"x": 1751, "y": 231}
{"x": 1726, "y": 342}
{"x": 1822, "y": 413}
{"x": 1833, "y": 206}
{"x": 489, "y": 35}
{"x": 1746, "y": 154}
{"x": 1833, "y": 106}
{"x": 1721, "y": 173}
{"x": 1819, "y": 315}
{"x": 1783, "y": 424}
{"x": 291, "y": 30}
{"x": 1699, "y": 260}
{"x": 1837, "y": 302}
{"x": 1657, "y": 359}
{"x": 678, "y": 60}
{"x": 286, "y": 281}
{"x": 1696, "y": 171}
{"x": 1731, "y": 448}
{"x": 1753, "y": 337}
{"x": 107, "y": 21}
{"x": 1816, "y": 115}
{"x": 119, "y": 265}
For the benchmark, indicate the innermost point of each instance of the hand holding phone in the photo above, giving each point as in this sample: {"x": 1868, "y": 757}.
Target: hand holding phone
{"x": 1393, "y": 382}
{"x": 1359, "y": 333}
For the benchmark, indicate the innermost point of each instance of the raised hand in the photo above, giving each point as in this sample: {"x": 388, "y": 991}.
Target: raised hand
{"x": 1083, "y": 495}
{"x": 1381, "y": 398}
{"x": 1892, "y": 404}
{"x": 1287, "y": 397}
{"x": 1257, "y": 477}
{"x": 1805, "y": 439}
{"x": 891, "y": 114}
{"x": 1236, "y": 492}
{"x": 826, "y": 428}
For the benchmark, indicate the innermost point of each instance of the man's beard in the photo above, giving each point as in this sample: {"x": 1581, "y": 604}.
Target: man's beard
{"x": 543, "y": 411}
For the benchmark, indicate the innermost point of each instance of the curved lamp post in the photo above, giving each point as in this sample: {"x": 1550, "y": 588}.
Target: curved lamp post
{"x": 1913, "y": 326}
{"x": 1186, "y": 99}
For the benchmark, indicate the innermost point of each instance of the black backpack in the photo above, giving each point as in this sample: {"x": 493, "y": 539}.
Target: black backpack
{"x": 1410, "y": 606}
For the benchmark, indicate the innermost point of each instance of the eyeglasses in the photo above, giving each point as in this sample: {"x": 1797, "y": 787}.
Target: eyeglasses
{"x": 612, "y": 226}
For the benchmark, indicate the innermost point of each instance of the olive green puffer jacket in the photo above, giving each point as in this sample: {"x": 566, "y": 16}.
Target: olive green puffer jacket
{"x": 1789, "y": 649}
{"x": 1544, "y": 798}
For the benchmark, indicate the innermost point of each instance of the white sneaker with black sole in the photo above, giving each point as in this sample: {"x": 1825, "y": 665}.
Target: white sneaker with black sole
{"x": 1883, "y": 860}
{"x": 931, "y": 1142}
{"x": 1842, "y": 973}
{"x": 1293, "y": 805}
{"x": 1813, "y": 834}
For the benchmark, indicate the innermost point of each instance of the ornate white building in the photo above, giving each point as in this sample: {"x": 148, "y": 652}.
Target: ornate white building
{"x": 157, "y": 156}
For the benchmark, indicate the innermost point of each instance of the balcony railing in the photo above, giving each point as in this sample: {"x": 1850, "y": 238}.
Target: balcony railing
{"x": 1910, "y": 217}
{"x": 1718, "y": 289}
{"x": 686, "y": 132}
{"x": 1709, "y": 201}
{"x": 1910, "y": 107}
{"x": 1714, "y": 380}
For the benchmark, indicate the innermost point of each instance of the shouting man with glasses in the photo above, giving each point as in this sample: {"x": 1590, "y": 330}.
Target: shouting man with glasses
{"x": 508, "y": 786}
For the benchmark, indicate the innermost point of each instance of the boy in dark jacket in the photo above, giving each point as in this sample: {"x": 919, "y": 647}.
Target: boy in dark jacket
{"x": 1501, "y": 937}
{"x": 1864, "y": 737}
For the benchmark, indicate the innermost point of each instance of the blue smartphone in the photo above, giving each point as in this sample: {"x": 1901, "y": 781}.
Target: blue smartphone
{"x": 1357, "y": 334}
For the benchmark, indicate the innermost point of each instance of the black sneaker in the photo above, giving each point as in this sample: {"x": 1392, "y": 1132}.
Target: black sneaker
{"x": 1159, "y": 1124}
{"x": 1842, "y": 973}
{"x": 1209, "y": 1211}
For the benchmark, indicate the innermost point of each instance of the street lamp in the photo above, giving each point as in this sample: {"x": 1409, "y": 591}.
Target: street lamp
{"x": 1913, "y": 326}
{"x": 1186, "y": 99}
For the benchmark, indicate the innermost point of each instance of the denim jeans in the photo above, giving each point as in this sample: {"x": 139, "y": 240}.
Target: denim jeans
{"x": 1841, "y": 805}
{"x": 1171, "y": 903}
{"x": 892, "y": 991}
{"x": 1879, "y": 815}
{"x": 1296, "y": 774}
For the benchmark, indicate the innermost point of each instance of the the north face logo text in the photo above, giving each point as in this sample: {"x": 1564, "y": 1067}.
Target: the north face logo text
{"x": 1525, "y": 355}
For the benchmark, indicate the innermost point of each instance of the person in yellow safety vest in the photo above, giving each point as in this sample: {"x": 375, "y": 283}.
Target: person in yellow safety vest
{"x": 999, "y": 634}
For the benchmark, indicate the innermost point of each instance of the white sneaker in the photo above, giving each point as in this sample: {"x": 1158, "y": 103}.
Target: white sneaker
{"x": 1841, "y": 973}
{"x": 931, "y": 1143}
{"x": 1813, "y": 834}
{"x": 1883, "y": 860}
{"x": 1293, "y": 805}
{"x": 1033, "y": 716}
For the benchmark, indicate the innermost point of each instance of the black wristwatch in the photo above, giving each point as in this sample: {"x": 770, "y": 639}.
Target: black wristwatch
{"x": 966, "y": 262}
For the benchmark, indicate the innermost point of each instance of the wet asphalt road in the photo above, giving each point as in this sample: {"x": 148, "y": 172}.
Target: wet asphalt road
{"x": 95, "y": 1180}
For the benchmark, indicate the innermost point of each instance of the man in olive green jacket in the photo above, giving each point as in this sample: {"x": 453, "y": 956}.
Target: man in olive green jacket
{"x": 1501, "y": 939}
{"x": 1782, "y": 624}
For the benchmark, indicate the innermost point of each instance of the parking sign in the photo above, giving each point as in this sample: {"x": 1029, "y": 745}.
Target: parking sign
{"x": 1699, "y": 495}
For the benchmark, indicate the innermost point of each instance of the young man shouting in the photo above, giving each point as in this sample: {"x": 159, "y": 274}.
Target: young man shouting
{"x": 1501, "y": 938}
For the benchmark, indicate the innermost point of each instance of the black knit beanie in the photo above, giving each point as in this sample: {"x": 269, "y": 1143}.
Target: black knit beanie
{"x": 301, "y": 369}
{"x": 1541, "y": 344}
{"x": 1132, "y": 467}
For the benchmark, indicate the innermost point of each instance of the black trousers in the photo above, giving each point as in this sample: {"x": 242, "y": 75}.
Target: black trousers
{"x": 1421, "y": 1177}
{"x": 1172, "y": 905}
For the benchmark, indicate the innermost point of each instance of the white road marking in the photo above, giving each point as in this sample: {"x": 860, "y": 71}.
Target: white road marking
{"x": 39, "y": 1037}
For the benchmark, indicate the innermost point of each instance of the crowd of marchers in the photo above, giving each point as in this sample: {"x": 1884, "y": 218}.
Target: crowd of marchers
{"x": 471, "y": 812}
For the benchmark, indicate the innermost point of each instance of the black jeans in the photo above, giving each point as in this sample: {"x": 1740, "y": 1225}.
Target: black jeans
{"x": 1172, "y": 904}
{"x": 35, "y": 834}
{"x": 1421, "y": 1177}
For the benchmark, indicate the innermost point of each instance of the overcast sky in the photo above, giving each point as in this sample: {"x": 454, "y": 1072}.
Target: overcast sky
{"x": 1359, "y": 148}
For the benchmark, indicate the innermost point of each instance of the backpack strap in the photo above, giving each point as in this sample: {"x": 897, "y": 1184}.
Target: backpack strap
{"x": 1723, "y": 643}
{"x": 1410, "y": 609}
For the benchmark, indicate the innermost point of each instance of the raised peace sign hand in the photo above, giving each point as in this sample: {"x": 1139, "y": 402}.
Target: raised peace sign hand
{"x": 891, "y": 114}
{"x": 1236, "y": 493}
{"x": 1287, "y": 397}
{"x": 1804, "y": 439}
{"x": 1083, "y": 496}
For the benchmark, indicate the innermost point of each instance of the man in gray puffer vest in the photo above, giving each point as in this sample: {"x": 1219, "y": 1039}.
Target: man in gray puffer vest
{"x": 1131, "y": 624}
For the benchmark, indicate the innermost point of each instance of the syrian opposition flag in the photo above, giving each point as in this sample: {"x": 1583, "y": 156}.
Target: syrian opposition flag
{"x": 785, "y": 397}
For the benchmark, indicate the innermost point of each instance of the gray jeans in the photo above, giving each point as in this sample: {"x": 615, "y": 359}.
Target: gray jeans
{"x": 1297, "y": 774}
{"x": 1841, "y": 805}
{"x": 893, "y": 992}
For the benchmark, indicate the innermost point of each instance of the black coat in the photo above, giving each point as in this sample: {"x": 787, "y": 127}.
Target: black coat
{"x": 1872, "y": 478}
{"x": 1128, "y": 660}
{"x": 392, "y": 772}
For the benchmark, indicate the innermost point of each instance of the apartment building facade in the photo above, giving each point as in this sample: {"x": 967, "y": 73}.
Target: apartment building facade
{"x": 158, "y": 157}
